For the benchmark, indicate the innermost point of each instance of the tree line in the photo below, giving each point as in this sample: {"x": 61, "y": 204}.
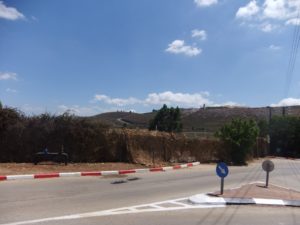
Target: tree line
{"x": 92, "y": 141}
{"x": 22, "y": 136}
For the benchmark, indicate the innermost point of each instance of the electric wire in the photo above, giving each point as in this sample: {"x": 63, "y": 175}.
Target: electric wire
{"x": 293, "y": 55}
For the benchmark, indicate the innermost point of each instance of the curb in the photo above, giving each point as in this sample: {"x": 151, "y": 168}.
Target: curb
{"x": 95, "y": 173}
{"x": 208, "y": 200}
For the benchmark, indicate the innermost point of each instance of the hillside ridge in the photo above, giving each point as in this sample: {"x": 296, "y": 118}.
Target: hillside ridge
{"x": 206, "y": 119}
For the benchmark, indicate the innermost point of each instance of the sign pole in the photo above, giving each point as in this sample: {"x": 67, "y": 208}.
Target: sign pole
{"x": 222, "y": 171}
{"x": 222, "y": 185}
{"x": 268, "y": 166}
{"x": 267, "y": 179}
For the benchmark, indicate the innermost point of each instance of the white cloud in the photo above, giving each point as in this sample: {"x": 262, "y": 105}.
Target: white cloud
{"x": 172, "y": 99}
{"x": 267, "y": 15}
{"x": 8, "y": 76}
{"x": 116, "y": 101}
{"x": 200, "y": 34}
{"x": 287, "y": 102}
{"x": 267, "y": 27}
{"x": 180, "y": 99}
{"x": 274, "y": 47}
{"x": 9, "y": 13}
{"x": 183, "y": 100}
{"x": 179, "y": 47}
{"x": 79, "y": 110}
{"x": 205, "y": 3}
{"x": 228, "y": 104}
{"x": 276, "y": 9}
{"x": 248, "y": 11}
{"x": 168, "y": 97}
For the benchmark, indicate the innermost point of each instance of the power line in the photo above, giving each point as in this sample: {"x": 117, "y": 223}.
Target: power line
{"x": 293, "y": 55}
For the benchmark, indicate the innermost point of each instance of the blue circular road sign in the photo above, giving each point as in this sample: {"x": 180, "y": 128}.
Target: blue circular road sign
{"x": 222, "y": 169}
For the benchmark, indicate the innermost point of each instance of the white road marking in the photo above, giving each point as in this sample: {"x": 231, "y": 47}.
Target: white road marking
{"x": 179, "y": 203}
{"x": 152, "y": 207}
{"x": 268, "y": 201}
{"x": 156, "y": 206}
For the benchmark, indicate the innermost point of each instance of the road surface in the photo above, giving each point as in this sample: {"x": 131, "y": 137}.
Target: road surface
{"x": 95, "y": 200}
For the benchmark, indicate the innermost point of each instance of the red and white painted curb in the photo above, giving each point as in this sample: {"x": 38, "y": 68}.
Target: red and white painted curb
{"x": 96, "y": 173}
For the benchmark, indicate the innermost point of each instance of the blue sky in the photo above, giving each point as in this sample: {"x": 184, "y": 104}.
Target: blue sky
{"x": 96, "y": 56}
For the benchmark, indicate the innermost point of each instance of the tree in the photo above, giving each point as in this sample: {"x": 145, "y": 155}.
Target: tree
{"x": 239, "y": 136}
{"x": 263, "y": 128}
{"x": 285, "y": 135}
{"x": 167, "y": 119}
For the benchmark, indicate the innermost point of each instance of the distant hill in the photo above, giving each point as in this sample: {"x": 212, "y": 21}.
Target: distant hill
{"x": 207, "y": 119}
{"x": 128, "y": 119}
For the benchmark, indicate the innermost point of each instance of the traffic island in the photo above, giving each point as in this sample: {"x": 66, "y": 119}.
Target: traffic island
{"x": 251, "y": 194}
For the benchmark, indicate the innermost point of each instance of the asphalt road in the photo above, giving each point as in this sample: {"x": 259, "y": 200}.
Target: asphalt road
{"x": 95, "y": 200}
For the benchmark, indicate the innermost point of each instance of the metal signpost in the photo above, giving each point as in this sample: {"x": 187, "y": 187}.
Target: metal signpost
{"x": 268, "y": 166}
{"x": 222, "y": 171}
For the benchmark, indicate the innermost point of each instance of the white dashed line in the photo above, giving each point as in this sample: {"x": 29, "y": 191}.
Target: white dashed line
{"x": 152, "y": 207}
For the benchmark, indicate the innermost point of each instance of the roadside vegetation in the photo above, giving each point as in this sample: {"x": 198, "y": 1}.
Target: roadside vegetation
{"x": 285, "y": 136}
{"x": 22, "y": 136}
{"x": 92, "y": 141}
{"x": 167, "y": 119}
{"x": 238, "y": 137}
{"x": 87, "y": 140}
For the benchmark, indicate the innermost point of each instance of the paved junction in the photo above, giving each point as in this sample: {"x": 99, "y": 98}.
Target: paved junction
{"x": 150, "y": 198}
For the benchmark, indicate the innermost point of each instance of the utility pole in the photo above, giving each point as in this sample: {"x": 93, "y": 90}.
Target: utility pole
{"x": 269, "y": 121}
{"x": 270, "y": 113}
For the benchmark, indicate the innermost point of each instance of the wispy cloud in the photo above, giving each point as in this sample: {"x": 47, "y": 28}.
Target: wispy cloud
{"x": 9, "y": 13}
{"x": 179, "y": 47}
{"x": 34, "y": 18}
{"x": 103, "y": 103}
{"x": 35, "y": 110}
{"x": 294, "y": 21}
{"x": 167, "y": 97}
{"x": 274, "y": 47}
{"x": 116, "y": 101}
{"x": 8, "y": 76}
{"x": 267, "y": 27}
{"x": 200, "y": 34}
{"x": 11, "y": 90}
{"x": 205, "y": 3}
{"x": 228, "y": 104}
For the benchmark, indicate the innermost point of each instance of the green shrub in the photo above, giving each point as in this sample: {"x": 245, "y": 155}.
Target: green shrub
{"x": 238, "y": 136}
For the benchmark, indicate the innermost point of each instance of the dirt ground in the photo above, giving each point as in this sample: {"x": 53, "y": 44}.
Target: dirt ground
{"x": 29, "y": 168}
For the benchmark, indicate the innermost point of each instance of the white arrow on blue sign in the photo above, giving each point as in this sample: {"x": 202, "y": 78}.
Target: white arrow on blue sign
{"x": 222, "y": 169}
